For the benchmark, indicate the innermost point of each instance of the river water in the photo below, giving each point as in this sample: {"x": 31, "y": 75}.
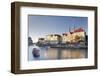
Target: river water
{"x": 47, "y": 53}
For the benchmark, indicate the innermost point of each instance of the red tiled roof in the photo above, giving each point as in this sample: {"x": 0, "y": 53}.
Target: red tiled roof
{"x": 76, "y": 30}
{"x": 79, "y": 30}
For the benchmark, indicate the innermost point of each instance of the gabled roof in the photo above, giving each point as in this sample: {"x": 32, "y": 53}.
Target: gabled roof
{"x": 79, "y": 30}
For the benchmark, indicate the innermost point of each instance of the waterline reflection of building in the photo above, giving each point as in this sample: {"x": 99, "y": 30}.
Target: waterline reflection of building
{"x": 57, "y": 53}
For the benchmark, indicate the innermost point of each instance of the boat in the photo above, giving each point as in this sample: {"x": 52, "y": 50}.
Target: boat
{"x": 36, "y": 52}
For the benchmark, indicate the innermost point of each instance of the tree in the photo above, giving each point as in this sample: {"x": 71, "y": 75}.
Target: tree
{"x": 30, "y": 42}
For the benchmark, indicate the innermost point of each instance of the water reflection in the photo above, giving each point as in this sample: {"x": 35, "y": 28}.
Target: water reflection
{"x": 47, "y": 53}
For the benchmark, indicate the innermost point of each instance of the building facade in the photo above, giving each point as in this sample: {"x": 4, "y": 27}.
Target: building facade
{"x": 78, "y": 35}
{"x": 53, "y": 38}
{"x": 75, "y": 36}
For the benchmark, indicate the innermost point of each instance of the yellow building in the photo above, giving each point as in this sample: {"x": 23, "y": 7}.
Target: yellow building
{"x": 53, "y": 38}
{"x": 78, "y": 35}
{"x": 67, "y": 37}
{"x": 75, "y": 36}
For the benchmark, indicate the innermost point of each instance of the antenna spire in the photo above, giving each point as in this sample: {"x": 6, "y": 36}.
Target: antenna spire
{"x": 69, "y": 29}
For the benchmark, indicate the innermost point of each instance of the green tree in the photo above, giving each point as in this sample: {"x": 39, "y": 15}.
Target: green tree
{"x": 30, "y": 42}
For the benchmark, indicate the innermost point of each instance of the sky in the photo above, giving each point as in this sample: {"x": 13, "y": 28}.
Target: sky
{"x": 40, "y": 25}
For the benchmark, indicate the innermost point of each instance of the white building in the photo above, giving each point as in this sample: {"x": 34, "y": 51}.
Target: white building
{"x": 53, "y": 38}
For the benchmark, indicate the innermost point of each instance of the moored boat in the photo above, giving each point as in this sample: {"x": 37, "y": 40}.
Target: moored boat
{"x": 36, "y": 52}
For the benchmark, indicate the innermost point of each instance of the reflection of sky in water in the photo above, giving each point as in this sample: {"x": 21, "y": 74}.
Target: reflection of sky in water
{"x": 47, "y": 53}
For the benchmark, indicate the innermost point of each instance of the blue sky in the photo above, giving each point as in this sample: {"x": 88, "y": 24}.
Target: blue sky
{"x": 40, "y": 26}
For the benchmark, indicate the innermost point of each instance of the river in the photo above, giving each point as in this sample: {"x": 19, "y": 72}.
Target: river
{"x": 47, "y": 53}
